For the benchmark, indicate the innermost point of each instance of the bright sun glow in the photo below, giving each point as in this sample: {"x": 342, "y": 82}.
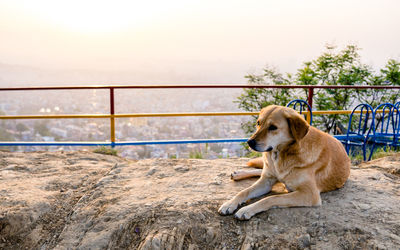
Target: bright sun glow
{"x": 96, "y": 16}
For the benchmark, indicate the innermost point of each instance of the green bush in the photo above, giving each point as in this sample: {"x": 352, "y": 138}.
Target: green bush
{"x": 333, "y": 67}
{"x": 196, "y": 155}
{"x": 105, "y": 151}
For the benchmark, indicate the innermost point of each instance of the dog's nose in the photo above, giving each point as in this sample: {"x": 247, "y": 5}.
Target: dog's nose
{"x": 252, "y": 143}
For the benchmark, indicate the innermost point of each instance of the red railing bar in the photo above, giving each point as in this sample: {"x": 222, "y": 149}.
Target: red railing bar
{"x": 201, "y": 86}
{"x": 112, "y": 119}
{"x": 112, "y": 106}
{"x": 310, "y": 97}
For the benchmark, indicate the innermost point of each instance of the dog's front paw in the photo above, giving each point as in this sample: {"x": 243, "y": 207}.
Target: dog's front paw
{"x": 237, "y": 176}
{"x": 245, "y": 213}
{"x": 228, "y": 207}
{"x": 234, "y": 175}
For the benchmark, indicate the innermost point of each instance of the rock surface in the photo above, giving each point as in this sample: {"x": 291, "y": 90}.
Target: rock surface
{"x": 81, "y": 200}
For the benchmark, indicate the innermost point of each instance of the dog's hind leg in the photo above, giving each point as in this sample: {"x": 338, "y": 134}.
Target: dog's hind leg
{"x": 256, "y": 163}
{"x": 244, "y": 174}
{"x": 298, "y": 198}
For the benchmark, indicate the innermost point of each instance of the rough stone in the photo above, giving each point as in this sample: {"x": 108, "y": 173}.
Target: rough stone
{"x": 304, "y": 241}
{"x": 81, "y": 200}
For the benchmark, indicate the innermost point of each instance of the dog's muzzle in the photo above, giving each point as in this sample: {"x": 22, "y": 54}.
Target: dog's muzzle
{"x": 269, "y": 149}
{"x": 253, "y": 145}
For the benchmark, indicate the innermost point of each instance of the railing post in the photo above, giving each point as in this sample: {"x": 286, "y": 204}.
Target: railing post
{"x": 112, "y": 119}
{"x": 310, "y": 96}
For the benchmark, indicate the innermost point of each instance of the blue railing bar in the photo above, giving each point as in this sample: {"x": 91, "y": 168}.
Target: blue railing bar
{"x": 179, "y": 141}
{"x": 11, "y": 143}
{"x": 127, "y": 143}
{"x": 123, "y": 143}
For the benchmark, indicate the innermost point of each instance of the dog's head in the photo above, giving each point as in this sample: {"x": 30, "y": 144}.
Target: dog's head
{"x": 277, "y": 127}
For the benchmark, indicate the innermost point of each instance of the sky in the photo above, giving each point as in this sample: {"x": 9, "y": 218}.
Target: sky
{"x": 223, "y": 38}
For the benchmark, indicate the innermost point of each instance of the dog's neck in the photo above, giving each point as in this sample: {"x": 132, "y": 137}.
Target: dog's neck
{"x": 275, "y": 155}
{"x": 290, "y": 148}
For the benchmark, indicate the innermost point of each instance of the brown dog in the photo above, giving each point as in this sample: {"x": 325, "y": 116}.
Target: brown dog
{"x": 307, "y": 160}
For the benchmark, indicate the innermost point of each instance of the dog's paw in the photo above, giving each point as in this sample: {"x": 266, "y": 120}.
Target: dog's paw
{"x": 234, "y": 176}
{"x": 228, "y": 208}
{"x": 244, "y": 213}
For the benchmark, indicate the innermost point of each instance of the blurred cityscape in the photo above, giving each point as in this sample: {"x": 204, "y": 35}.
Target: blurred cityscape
{"x": 127, "y": 129}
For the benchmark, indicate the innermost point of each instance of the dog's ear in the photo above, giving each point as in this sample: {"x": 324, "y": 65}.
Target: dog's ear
{"x": 297, "y": 125}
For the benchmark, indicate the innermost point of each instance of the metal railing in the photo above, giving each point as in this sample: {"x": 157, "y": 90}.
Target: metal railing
{"x": 112, "y": 114}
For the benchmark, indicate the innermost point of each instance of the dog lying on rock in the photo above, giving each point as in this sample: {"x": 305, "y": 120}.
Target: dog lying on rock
{"x": 305, "y": 159}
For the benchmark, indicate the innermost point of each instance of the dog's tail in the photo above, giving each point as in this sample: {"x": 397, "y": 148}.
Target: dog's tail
{"x": 256, "y": 163}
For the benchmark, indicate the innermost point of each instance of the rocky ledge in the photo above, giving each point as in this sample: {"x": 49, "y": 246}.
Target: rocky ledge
{"x": 82, "y": 200}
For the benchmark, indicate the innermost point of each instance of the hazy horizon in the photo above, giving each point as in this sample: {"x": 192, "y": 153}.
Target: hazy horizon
{"x": 185, "y": 41}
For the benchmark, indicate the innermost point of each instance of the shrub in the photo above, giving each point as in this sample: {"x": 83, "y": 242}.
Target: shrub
{"x": 105, "y": 151}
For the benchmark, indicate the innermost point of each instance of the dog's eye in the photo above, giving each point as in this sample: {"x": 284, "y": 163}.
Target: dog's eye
{"x": 258, "y": 123}
{"x": 272, "y": 127}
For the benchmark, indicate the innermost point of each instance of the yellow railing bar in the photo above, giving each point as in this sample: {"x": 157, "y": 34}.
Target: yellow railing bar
{"x": 331, "y": 112}
{"x": 339, "y": 112}
{"x": 112, "y": 128}
{"x": 308, "y": 118}
{"x": 10, "y": 117}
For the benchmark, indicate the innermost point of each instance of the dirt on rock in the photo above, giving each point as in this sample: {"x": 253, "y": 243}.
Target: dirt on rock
{"x": 82, "y": 200}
